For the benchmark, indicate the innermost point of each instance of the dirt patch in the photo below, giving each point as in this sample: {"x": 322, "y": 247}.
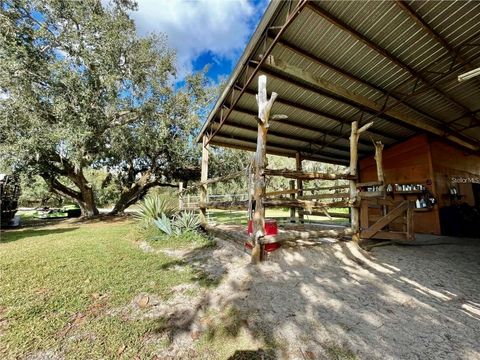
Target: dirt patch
{"x": 395, "y": 302}
{"x": 45, "y": 355}
{"x": 329, "y": 300}
{"x": 175, "y": 253}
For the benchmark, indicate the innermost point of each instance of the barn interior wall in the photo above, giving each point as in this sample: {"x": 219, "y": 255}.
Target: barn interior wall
{"x": 408, "y": 162}
{"x": 433, "y": 163}
{"x": 451, "y": 165}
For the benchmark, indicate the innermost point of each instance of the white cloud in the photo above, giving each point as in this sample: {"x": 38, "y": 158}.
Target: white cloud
{"x": 194, "y": 27}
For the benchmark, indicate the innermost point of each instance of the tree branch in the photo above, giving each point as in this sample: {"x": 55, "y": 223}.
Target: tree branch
{"x": 60, "y": 189}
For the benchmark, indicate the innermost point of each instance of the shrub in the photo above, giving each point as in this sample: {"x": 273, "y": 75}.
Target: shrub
{"x": 184, "y": 222}
{"x": 187, "y": 221}
{"x": 165, "y": 225}
{"x": 154, "y": 206}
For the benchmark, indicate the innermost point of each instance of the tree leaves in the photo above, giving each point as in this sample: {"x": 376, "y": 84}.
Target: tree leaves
{"x": 84, "y": 91}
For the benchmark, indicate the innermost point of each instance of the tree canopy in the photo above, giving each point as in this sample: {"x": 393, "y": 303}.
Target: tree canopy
{"x": 79, "y": 89}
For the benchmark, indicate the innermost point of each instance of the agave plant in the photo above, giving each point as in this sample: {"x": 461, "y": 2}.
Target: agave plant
{"x": 165, "y": 225}
{"x": 187, "y": 221}
{"x": 154, "y": 205}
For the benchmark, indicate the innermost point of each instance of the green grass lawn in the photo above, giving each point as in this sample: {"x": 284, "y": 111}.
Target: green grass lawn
{"x": 57, "y": 284}
{"x": 62, "y": 280}
{"x": 240, "y": 217}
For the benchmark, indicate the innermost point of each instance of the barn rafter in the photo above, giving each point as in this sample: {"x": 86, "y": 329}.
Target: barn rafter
{"x": 332, "y": 64}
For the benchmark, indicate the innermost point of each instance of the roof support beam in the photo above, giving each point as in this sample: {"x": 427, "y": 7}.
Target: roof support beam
{"x": 220, "y": 141}
{"x": 415, "y": 17}
{"x": 290, "y": 18}
{"x": 298, "y": 76}
{"x": 280, "y": 135}
{"x": 306, "y": 54}
{"x": 299, "y": 126}
{"x": 326, "y": 115}
{"x": 347, "y": 28}
{"x": 333, "y": 158}
{"x": 329, "y": 116}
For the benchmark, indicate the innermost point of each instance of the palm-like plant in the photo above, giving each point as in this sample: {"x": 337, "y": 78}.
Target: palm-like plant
{"x": 187, "y": 221}
{"x": 165, "y": 225}
{"x": 154, "y": 205}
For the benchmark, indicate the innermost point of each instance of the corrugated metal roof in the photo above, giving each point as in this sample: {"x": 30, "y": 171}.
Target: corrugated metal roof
{"x": 404, "y": 56}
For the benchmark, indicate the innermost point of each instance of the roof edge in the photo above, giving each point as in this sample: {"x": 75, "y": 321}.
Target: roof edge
{"x": 261, "y": 27}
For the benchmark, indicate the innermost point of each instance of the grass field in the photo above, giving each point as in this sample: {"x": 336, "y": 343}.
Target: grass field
{"x": 58, "y": 284}
{"x": 240, "y": 217}
{"x": 62, "y": 278}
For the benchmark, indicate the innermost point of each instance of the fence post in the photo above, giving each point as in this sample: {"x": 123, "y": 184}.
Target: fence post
{"x": 204, "y": 177}
{"x": 354, "y": 199}
{"x": 292, "y": 196}
{"x": 298, "y": 163}
{"x": 180, "y": 195}
{"x": 264, "y": 107}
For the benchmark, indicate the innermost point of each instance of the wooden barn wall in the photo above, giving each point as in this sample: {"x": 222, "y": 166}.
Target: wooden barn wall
{"x": 450, "y": 162}
{"x": 409, "y": 162}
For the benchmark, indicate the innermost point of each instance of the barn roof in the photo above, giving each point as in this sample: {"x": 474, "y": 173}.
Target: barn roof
{"x": 332, "y": 62}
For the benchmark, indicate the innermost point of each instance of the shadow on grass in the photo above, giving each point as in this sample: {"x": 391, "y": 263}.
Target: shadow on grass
{"x": 31, "y": 222}
{"x": 253, "y": 355}
{"x": 196, "y": 258}
{"x": 344, "y": 303}
{"x": 14, "y": 235}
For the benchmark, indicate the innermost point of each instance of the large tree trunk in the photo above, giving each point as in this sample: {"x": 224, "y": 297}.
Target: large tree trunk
{"x": 136, "y": 192}
{"x": 84, "y": 196}
{"x": 87, "y": 202}
{"x": 127, "y": 198}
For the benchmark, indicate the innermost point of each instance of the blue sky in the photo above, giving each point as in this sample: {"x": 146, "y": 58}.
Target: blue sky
{"x": 212, "y": 32}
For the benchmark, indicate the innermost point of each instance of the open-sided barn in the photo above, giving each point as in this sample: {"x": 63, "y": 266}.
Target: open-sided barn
{"x": 393, "y": 63}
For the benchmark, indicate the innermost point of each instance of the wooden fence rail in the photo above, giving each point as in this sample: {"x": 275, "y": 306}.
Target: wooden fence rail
{"x": 305, "y": 175}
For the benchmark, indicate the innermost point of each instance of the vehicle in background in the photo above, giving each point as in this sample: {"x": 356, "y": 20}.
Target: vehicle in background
{"x": 67, "y": 211}
{"x": 9, "y": 194}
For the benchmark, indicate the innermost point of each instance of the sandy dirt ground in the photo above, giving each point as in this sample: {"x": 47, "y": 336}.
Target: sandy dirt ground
{"x": 333, "y": 300}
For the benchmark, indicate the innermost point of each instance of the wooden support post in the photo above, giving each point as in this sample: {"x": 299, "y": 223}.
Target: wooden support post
{"x": 409, "y": 219}
{"x": 354, "y": 201}
{"x": 180, "y": 195}
{"x": 259, "y": 186}
{"x": 380, "y": 175}
{"x": 203, "y": 178}
{"x": 298, "y": 164}
{"x": 379, "y": 162}
{"x": 292, "y": 196}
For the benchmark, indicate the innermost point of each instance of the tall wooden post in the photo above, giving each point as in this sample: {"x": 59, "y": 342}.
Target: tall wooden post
{"x": 259, "y": 186}
{"x": 292, "y": 196}
{"x": 180, "y": 195}
{"x": 379, "y": 162}
{"x": 354, "y": 201}
{"x": 380, "y": 175}
{"x": 204, "y": 177}
{"x": 298, "y": 163}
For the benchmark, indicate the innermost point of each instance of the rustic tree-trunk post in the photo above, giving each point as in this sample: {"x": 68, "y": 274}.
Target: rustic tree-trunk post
{"x": 380, "y": 174}
{"x": 264, "y": 107}
{"x": 180, "y": 195}
{"x": 354, "y": 201}
{"x": 379, "y": 162}
{"x": 298, "y": 164}
{"x": 292, "y": 196}
{"x": 204, "y": 177}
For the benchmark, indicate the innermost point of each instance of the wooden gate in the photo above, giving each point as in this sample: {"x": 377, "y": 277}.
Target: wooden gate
{"x": 386, "y": 219}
